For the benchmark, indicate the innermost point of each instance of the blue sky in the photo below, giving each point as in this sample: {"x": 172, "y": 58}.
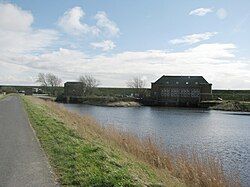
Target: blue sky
{"x": 117, "y": 40}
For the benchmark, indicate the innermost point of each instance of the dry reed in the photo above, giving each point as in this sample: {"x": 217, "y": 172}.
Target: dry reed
{"x": 190, "y": 167}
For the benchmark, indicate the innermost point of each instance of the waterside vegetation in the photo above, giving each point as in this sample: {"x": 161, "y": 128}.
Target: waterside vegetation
{"x": 230, "y": 105}
{"x": 84, "y": 153}
{"x": 115, "y": 101}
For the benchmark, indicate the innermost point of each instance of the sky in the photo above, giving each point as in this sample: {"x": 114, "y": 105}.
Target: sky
{"x": 115, "y": 41}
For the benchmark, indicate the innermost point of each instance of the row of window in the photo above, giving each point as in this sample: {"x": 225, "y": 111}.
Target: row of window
{"x": 177, "y": 82}
{"x": 182, "y": 92}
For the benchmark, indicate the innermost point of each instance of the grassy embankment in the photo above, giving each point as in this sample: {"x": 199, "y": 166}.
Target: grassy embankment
{"x": 4, "y": 96}
{"x": 85, "y": 154}
{"x": 243, "y": 106}
{"x": 112, "y": 101}
{"x": 1, "y": 96}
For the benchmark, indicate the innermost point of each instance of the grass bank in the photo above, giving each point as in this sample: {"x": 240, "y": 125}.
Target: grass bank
{"x": 79, "y": 155}
{"x": 103, "y": 101}
{"x": 124, "y": 104}
{"x": 242, "y": 106}
{"x": 1, "y": 96}
{"x": 84, "y": 153}
{"x": 4, "y": 96}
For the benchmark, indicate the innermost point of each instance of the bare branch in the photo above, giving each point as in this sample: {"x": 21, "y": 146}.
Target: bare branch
{"x": 41, "y": 78}
{"x": 89, "y": 84}
{"x": 49, "y": 80}
{"x": 137, "y": 84}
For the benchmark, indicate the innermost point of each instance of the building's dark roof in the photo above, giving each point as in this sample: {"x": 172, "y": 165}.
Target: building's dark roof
{"x": 73, "y": 83}
{"x": 181, "y": 80}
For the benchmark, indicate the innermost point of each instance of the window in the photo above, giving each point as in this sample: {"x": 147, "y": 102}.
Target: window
{"x": 195, "y": 93}
{"x": 174, "y": 92}
{"x": 185, "y": 92}
{"x": 162, "y": 92}
{"x": 165, "y": 92}
{"x": 168, "y": 92}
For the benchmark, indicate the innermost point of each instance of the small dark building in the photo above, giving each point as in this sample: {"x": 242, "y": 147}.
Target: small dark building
{"x": 28, "y": 91}
{"x": 73, "y": 89}
{"x": 180, "y": 90}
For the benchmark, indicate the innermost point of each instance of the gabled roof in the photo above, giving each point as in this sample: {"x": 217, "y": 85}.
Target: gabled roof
{"x": 181, "y": 80}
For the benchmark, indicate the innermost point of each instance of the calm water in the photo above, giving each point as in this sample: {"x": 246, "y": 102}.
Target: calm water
{"x": 224, "y": 134}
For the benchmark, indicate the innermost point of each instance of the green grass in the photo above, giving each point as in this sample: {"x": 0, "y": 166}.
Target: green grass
{"x": 3, "y": 96}
{"x": 82, "y": 161}
{"x": 237, "y": 95}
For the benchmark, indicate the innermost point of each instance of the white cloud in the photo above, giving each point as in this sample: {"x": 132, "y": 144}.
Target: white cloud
{"x": 71, "y": 22}
{"x": 20, "y": 62}
{"x": 19, "y": 39}
{"x": 221, "y": 13}
{"x": 103, "y": 22}
{"x": 14, "y": 18}
{"x": 104, "y": 45}
{"x": 200, "y": 11}
{"x": 13, "y": 74}
{"x": 194, "y": 38}
{"x": 16, "y": 33}
{"x": 24, "y": 42}
{"x": 216, "y": 62}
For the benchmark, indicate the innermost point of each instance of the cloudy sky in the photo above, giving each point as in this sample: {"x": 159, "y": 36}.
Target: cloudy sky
{"x": 117, "y": 40}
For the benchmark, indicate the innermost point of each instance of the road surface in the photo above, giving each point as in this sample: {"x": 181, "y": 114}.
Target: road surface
{"x": 22, "y": 161}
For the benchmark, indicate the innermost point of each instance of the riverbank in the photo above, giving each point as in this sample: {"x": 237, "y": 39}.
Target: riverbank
{"x": 67, "y": 135}
{"x": 101, "y": 101}
{"x": 239, "y": 106}
{"x": 227, "y": 105}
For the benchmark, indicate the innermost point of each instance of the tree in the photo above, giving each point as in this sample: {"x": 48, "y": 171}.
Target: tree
{"x": 137, "y": 83}
{"x": 41, "y": 78}
{"x": 49, "y": 80}
{"x": 53, "y": 80}
{"x": 89, "y": 84}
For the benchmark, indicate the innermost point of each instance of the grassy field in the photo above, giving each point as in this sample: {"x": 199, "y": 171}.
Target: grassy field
{"x": 237, "y": 95}
{"x": 83, "y": 153}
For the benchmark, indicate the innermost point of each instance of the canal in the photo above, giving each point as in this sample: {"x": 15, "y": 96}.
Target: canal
{"x": 225, "y": 135}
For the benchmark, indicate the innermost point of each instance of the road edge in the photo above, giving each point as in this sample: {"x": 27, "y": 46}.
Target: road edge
{"x": 51, "y": 169}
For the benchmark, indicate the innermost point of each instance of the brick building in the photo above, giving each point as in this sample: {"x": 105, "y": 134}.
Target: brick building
{"x": 180, "y": 90}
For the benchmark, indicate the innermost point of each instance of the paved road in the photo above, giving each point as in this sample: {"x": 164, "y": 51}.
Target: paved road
{"x": 22, "y": 161}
